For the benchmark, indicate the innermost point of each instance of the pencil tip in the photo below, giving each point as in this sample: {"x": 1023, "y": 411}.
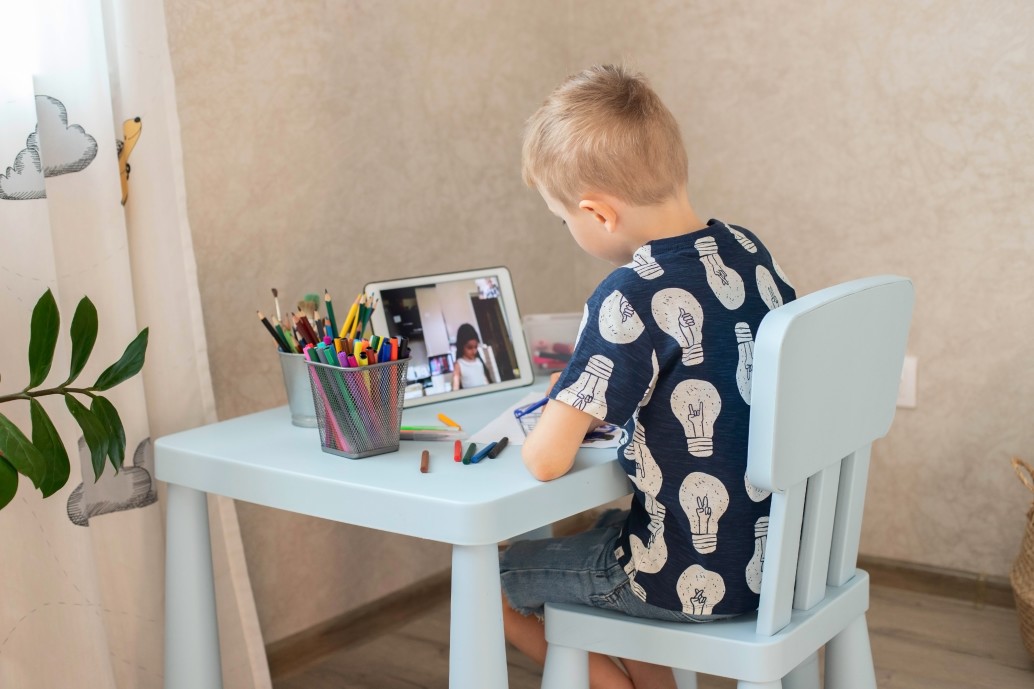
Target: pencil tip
{"x": 275, "y": 292}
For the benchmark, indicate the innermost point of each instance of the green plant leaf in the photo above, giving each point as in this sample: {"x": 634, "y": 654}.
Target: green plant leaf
{"x": 127, "y": 366}
{"x": 8, "y": 482}
{"x": 42, "y": 338}
{"x": 21, "y": 453}
{"x": 94, "y": 431}
{"x": 107, "y": 414}
{"x": 84, "y": 335}
{"x": 46, "y": 439}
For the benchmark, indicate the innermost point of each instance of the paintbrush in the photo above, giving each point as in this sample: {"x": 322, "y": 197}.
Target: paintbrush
{"x": 276, "y": 302}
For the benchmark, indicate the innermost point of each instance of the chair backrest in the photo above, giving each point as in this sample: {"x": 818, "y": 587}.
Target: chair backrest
{"x": 827, "y": 368}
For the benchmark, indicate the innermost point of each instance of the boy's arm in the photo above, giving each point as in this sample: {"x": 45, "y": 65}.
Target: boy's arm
{"x": 550, "y": 448}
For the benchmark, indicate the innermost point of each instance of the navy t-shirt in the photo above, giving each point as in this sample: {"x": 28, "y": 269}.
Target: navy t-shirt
{"x": 665, "y": 350}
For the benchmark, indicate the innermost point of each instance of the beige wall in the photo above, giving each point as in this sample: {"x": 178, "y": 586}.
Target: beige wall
{"x": 331, "y": 143}
{"x": 881, "y": 137}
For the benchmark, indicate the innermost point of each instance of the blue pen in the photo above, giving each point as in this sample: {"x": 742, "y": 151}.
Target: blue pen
{"x": 521, "y": 411}
{"x": 482, "y": 453}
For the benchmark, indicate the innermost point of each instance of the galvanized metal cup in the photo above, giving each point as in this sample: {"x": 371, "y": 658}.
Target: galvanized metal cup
{"x": 299, "y": 391}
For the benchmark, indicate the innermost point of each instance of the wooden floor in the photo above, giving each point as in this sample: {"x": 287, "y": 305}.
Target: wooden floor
{"x": 919, "y": 641}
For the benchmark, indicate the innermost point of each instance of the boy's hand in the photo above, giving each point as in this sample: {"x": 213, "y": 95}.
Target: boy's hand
{"x": 553, "y": 378}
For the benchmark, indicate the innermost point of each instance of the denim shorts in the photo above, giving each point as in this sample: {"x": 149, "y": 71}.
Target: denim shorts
{"x": 579, "y": 569}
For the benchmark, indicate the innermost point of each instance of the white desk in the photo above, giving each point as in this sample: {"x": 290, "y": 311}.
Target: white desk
{"x": 263, "y": 459}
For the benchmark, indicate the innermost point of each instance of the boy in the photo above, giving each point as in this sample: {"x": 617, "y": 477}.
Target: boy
{"x": 665, "y": 351}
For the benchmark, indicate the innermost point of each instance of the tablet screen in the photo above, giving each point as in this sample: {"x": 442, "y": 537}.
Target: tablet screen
{"x": 463, "y": 330}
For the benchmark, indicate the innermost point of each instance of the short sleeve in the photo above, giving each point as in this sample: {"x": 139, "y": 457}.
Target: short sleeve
{"x": 613, "y": 366}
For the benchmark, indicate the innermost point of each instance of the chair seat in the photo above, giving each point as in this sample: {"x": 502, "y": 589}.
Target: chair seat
{"x": 729, "y": 648}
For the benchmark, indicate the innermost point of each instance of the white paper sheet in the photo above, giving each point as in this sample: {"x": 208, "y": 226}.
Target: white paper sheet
{"x": 516, "y": 430}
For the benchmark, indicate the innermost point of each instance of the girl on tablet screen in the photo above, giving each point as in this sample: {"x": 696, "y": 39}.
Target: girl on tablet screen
{"x": 471, "y": 370}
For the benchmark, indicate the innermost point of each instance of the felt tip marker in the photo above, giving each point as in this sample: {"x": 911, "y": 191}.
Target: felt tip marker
{"x": 457, "y": 452}
{"x": 425, "y": 460}
{"x": 521, "y": 411}
{"x": 471, "y": 449}
{"x": 482, "y": 453}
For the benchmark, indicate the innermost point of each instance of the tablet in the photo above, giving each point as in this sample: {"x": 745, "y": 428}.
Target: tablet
{"x": 464, "y": 333}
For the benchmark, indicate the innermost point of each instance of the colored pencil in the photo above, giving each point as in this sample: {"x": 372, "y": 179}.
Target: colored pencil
{"x": 281, "y": 343}
{"x": 330, "y": 311}
{"x": 346, "y": 327}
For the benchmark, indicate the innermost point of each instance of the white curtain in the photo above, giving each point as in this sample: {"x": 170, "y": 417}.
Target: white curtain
{"x": 83, "y": 571}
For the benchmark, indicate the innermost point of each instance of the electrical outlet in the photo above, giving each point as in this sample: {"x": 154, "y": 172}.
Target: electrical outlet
{"x": 907, "y": 386}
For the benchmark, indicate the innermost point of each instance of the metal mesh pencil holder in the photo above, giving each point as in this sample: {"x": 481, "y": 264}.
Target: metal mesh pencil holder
{"x": 359, "y": 410}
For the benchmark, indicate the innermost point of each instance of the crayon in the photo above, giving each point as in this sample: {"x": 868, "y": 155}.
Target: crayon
{"x": 449, "y": 422}
{"x": 471, "y": 449}
{"x": 425, "y": 460}
{"x": 482, "y": 453}
{"x": 498, "y": 447}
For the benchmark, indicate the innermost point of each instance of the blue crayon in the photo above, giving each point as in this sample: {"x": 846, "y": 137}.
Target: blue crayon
{"x": 482, "y": 453}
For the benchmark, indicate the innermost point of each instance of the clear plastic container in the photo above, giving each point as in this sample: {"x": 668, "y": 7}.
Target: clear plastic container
{"x": 551, "y": 338}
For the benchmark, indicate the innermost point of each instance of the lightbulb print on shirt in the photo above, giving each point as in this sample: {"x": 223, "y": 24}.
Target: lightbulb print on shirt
{"x": 753, "y": 492}
{"x": 745, "y": 367}
{"x": 742, "y": 239}
{"x": 704, "y": 499}
{"x": 648, "y": 395}
{"x": 781, "y": 274}
{"x": 589, "y": 392}
{"x": 678, "y": 313}
{"x": 651, "y": 556}
{"x": 725, "y": 282}
{"x": 767, "y": 287}
{"x": 581, "y": 325}
{"x": 700, "y": 590}
{"x": 618, "y": 322}
{"x": 756, "y": 566}
{"x": 697, "y": 404}
{"x": 644, "y": 265}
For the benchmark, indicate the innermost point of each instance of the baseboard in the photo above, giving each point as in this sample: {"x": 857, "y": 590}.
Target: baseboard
{"x": 978, "y": 589}
{"x": 300, "y": 650}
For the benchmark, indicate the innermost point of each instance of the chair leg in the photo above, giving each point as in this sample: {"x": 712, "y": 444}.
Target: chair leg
{"x": 849, "y": 658}
{"x": 805, "y": 675}
{"x": 566, "y": 668}
{"x": 685, "y": 679}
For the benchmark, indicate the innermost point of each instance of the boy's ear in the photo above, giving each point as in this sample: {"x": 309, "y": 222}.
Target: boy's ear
{"x": 602, "y": 209}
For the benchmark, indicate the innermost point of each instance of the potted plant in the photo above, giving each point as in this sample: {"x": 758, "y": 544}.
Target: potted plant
{"x": 41, "y": 456}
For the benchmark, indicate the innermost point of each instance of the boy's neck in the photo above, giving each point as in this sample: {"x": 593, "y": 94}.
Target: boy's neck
{"x": 670, "y": 218}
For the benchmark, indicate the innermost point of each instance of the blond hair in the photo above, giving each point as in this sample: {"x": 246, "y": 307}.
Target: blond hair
{"x": 604, "y": 130}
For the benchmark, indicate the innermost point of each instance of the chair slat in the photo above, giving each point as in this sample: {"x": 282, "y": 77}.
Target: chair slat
{"x": 784, "y": 539}
{"x": 816, "y": 535}
{"x": 847, "y": 526}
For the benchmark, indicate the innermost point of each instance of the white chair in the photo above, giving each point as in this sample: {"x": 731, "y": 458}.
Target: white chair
{"x": 826, "y": 374}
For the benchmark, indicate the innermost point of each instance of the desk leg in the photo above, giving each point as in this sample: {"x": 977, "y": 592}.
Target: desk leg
{"x": 191, "y": 628}
{"x": 477, "y": 647}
